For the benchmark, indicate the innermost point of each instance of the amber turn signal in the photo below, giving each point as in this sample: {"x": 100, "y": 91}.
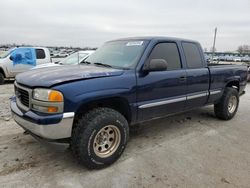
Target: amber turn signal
{"x": 52, "y": 109}
{"x": 55, "y": 96}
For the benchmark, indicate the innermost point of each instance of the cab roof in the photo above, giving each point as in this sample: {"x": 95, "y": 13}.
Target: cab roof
{"x": 156, "y": 38}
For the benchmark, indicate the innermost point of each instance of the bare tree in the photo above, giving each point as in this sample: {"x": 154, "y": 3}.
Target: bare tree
{"x": 244, "y": 49}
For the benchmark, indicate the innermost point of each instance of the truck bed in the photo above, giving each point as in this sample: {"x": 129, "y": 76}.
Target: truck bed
{"x": 220, "y": 75}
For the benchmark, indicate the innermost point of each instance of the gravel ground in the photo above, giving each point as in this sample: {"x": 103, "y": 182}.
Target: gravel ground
{"x": 192, "y": 149}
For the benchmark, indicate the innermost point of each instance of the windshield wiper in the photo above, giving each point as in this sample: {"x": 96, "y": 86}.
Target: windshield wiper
{"x": 85, "y": 62}
{"x": 103, "y": 64}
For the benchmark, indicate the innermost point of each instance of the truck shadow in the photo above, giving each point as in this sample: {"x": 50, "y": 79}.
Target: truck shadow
{"x": 147, "y": 136}
{"x": 9, "y": 82}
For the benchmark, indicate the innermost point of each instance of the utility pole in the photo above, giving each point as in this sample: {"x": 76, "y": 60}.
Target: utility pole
{"x": 215, "y": 33}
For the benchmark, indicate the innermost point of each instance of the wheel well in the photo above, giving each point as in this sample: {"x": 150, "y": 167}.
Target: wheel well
{"x": 117, "y": 103}
{"x": 1, "y": 71}
{"x": 234, "y": 84}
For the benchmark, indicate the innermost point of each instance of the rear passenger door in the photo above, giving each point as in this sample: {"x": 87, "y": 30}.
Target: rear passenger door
{"x": 197, "y": 75}
{"x": 162, "y": 92}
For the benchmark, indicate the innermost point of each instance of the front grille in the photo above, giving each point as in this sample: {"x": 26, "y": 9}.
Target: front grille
{"x": 23, "y": 96}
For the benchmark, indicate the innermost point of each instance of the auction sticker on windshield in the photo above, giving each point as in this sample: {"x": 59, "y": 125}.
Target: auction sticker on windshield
{"x": 134, "y": 43}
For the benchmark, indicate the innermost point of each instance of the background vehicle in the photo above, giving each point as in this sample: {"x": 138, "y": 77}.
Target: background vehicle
{"x": 222, "y": 58}
{"x": 229, "y": 58}
{"x": 246, "y": 58}
{"x": 8, "y": 69}
{"x": 237, "y": 59}
{"x": 207, "y": 58}
{"x": 125, "y": 82}
{"x": 215, "y": 59}
{"x": 62, "y": 54}
{"x": 73, "y": 59}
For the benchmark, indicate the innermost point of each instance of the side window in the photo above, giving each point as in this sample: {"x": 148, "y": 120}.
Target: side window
{"x": 192, "y": 55}
{"x": 169, "y": 52}
{"x": 40, "y": 54}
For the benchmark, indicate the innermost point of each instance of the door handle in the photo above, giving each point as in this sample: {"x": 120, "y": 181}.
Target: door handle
{"x": 183, "y": 78}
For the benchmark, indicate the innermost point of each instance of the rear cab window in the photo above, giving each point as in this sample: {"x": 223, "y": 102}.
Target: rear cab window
{"x": 169, "y": 52}
{"x": 192, "y": 55}
{"x": 40, "y": 54}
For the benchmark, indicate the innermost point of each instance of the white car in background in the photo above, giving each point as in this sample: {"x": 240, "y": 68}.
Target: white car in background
{"x": 236, "y": 59}
{"x": 73, "y": 59}
{"x": 229, "y": 58}
{"x": 8, "y": 69}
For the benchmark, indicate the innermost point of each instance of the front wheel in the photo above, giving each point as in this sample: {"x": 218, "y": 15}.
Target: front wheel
{"x": 228, "y": 105}
{"x": 100, "y": 137}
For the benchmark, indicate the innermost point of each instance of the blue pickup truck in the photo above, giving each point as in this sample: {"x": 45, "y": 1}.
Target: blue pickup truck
{"x": 125, "y": 82}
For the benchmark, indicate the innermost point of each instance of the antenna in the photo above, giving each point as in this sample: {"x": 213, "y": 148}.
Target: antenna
{"x": 213, "y": 49}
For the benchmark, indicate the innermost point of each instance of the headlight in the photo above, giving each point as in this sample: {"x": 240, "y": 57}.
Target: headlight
{"x": 47, "y": 101}
{"x": 47, "y": 95}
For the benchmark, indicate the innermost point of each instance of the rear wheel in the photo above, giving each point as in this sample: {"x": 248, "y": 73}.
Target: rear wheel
{"x": 100, "y": 137}
{"x": 1, "y": 78}
{"x": 228, "y": 105}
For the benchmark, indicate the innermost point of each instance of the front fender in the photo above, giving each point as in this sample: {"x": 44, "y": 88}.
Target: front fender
{"x": 123, "y": 94}
{"x": 98, "y": 95}
{"x": 82, "y": 92}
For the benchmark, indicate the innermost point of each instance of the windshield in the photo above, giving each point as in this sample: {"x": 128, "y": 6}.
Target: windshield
{"x": 74, "y": 58}
{"x": 6, "y": 53}
{"x": 118, "y": 54}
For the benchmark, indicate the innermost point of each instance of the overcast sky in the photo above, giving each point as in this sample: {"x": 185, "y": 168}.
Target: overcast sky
{"x": 90, "y": 23}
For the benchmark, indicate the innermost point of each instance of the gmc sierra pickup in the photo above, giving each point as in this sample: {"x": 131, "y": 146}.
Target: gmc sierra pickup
{"x": 125, "y": 82}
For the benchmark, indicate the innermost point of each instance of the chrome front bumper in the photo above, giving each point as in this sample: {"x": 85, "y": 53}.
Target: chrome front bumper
{"x": 59, "y": 130}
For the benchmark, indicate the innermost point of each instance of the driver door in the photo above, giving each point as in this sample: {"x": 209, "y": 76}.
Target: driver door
{"x": 162, "y": 92}
{"x": 23, "y": 59}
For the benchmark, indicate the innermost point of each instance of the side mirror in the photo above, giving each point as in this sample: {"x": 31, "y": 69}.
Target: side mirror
{"x": 16, "y": 57}
{"x": 11, "y": 58}
{"x": 156, "y": 65}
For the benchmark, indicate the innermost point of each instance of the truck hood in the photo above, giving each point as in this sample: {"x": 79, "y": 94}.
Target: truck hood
{"x": 47, "y": 77}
